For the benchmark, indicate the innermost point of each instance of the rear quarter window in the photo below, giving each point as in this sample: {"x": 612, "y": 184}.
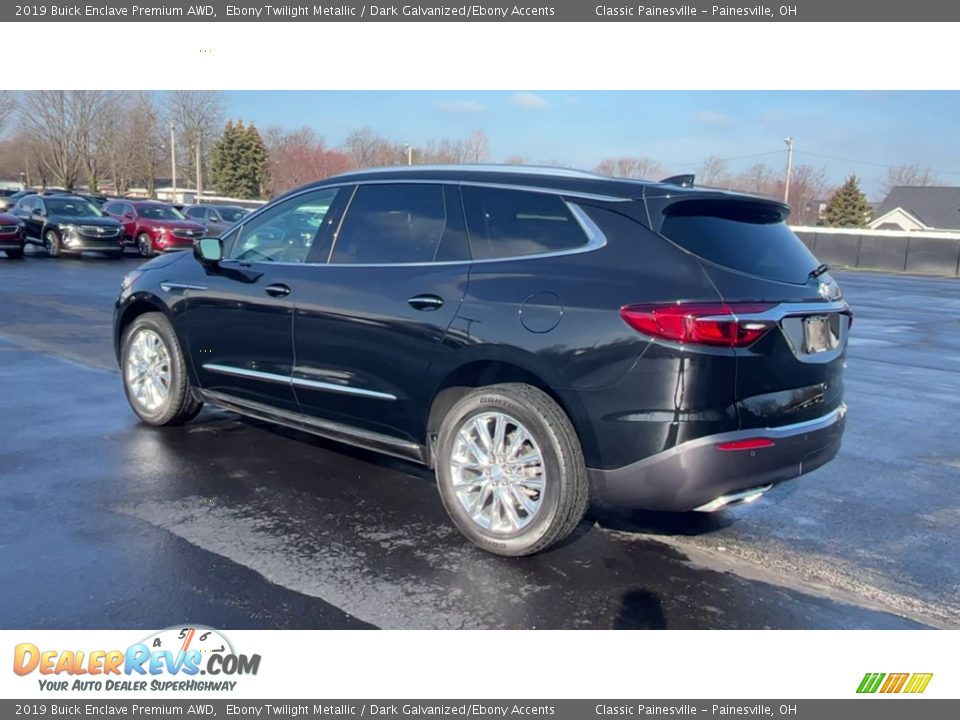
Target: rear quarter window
{"x": 751, "y": 237}
{"x": 512, "y": 223}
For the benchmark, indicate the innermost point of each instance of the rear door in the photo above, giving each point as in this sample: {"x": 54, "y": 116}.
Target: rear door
{"x": 370, "y": 323}
{"x": 794, "y": 372}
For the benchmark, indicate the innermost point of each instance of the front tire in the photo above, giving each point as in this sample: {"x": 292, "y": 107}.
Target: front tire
{"x": 51, "y": 242}
{"x": 510, "y": 469}
{"x": 155, "y": 377}
{"x": 145, "y": 245}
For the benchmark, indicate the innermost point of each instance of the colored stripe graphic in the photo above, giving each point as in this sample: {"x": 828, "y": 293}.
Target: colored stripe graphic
{"x": 918, "y": 682}
{"x": 870, "y": 682}
{"x": 894, "y": 683}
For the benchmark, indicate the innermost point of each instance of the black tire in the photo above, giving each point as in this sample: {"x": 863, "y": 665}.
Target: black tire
{"x": 15, "y": 254}
{"x": 565, "y": 489}
{"x": 180, "y": 405}
{"x": 52, "y": 243}
{"x": 145, "y": 245}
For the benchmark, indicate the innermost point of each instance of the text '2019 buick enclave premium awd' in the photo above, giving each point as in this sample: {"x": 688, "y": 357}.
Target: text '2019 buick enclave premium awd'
{"x": 539, "y": 337}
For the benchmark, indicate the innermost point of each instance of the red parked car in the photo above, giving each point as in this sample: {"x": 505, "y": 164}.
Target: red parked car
{"x": 13, "y": 236}
{"x": 154, "y": 227}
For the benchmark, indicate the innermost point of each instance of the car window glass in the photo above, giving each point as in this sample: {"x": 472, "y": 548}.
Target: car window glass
{"x": 230, "y": 214}
{"x": 510, "y": 223}
{"x": 160, "y": 212}
{"x": 285, "y": 232}
{"x": 71, "y": 207}
{"x": 196, "y": 213}
{"x": 400, "y": 223}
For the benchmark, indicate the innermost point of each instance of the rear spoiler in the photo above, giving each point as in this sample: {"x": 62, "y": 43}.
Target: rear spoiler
{"x": 681, "y": 180}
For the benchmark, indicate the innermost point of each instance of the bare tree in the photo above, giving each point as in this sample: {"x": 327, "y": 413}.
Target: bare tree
{"x": 908, "y": 175}
{"x": 713, "y": 173}
{"x": 197, "y": 116}
{"x": 477, "y": 147}
{"x": 8, "y": 106}
{"x": 47, "y": 117}
{"x": 297, "y": 157}
{"x": 631, "y": 167}
{"x": 93, "y": 114}
{"x": 367, "y": 149}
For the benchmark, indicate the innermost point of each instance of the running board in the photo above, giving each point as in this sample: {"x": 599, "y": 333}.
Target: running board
{"x": 338, "y": 432}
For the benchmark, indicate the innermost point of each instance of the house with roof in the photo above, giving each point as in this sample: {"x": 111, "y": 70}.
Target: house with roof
{"x": 915, "y": 208}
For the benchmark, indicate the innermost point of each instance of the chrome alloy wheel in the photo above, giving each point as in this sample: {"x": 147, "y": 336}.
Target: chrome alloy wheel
{"x": 497, "y": 472}
{"x": 148, "y": 370}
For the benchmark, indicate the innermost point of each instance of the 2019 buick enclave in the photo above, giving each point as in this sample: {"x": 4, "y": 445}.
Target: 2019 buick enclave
{"x": 539, "y": 337}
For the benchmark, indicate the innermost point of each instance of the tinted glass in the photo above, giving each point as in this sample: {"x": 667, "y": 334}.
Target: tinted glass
{"x": 71, "y": 207}
{"x": 27, "y": 204}
{"x": 510, "y": 223}
{"x": 285, "y": 232}
{"x": 745, "y": 236}
{"x": 230, "y": 215}
{"x": 195, "y": 213}
{"x": 392, "y": 224}
{"x": 160, "y": 212}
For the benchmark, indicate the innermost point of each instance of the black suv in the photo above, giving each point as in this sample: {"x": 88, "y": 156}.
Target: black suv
{"x": 539, "y": 337}
{"x": 69, "y": 224}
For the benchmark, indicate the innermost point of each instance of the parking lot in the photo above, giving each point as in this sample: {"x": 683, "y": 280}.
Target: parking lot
{"x": 233, "y": 523}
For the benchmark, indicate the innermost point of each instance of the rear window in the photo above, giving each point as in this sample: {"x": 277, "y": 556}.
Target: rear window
{"x": 513, "y": 223}
{"x": 745, "y": 236}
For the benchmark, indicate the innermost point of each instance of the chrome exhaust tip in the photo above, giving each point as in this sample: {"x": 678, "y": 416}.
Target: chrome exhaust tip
{"x": 741, "y": 497}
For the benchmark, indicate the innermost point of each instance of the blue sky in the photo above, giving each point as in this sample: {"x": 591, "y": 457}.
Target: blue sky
{"x": 679, "y": 129}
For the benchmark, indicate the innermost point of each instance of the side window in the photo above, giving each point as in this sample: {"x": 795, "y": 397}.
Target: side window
{"x": 26, "y": 205}
{"x": 390, "y": 224}
{"x": 194, "y": 213}
{"x": 285, "y": 232}
{"x": 511, "y": 223}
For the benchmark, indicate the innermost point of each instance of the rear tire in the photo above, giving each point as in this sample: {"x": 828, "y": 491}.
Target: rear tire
{"x": 154, "y": 370}
{"x": 511, "y": 493}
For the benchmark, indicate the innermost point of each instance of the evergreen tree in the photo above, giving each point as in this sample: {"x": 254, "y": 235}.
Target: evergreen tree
{"x": 848, "y": 207}
{"x": 238, "y": 162}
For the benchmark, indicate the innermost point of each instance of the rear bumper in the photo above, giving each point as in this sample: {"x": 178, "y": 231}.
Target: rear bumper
{"x": 694, "y": 473}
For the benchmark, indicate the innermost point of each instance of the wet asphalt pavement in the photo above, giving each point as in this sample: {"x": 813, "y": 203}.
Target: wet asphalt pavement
{"x": 106, "y": 523}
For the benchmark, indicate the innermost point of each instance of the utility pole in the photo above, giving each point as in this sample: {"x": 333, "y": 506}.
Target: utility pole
{"x": 173, "y": 163}
{"x": 409, "y": 154}
{"x": 786, "y": 184}
{"x": 199, "y": 173}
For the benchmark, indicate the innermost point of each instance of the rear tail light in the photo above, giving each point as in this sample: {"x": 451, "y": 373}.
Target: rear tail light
{"x": 718, "y": 324}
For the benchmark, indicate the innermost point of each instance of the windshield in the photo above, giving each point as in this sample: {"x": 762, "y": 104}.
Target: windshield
{"x": 160, "y": 212}
{"x": 71, "y": 207}
{"x": 230, "y": 214}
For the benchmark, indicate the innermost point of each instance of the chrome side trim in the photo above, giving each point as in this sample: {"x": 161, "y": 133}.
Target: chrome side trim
{"x": 168, "y": 286}
{"x": 296, "y": 381}
{"x": 345, "y": 389}
{"x": 338, "y": 432}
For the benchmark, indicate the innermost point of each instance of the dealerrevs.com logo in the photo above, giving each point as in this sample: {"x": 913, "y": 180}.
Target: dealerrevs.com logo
{"x": 172, "y": 659}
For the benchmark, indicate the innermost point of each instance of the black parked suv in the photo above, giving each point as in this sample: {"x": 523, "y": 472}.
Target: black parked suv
{"x": 69, "y": 224}
{"x": 539, "y": 337}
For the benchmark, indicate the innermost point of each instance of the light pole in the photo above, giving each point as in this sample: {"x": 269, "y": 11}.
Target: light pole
{"x": 173, "y": 164}
{"x": 786, "y": 185}
{"x": 409, "y": 154}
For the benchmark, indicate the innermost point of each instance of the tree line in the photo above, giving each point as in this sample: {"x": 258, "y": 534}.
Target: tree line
{"x": 121, "y": 140}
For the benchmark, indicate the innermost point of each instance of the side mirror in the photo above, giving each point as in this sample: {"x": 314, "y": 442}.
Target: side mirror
{"x": 209, "y": 251}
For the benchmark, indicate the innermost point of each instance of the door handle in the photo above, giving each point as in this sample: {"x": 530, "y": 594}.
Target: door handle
{"x": 277, "y": 290}
{"x": 426, "y": 302}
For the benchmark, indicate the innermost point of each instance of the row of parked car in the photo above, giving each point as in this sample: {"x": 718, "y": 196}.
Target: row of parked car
{"x": 71, "y": 223}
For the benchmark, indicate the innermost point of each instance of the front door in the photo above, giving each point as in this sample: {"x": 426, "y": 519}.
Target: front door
{"x": 240, "y": 319}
